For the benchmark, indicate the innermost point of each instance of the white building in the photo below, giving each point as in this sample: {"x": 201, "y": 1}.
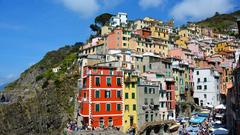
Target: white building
{"x": 120, "y": 18}
{"x": 56, "y": 69}
{"x": 206, "y": 87}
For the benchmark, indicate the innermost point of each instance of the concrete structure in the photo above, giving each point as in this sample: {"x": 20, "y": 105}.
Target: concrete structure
{"x": 148, "y": 104}
{"x": 206, "y": 88}
{"x": 119, "y": 19}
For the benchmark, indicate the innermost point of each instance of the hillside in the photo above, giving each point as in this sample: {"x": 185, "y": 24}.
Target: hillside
{"x": 221, "y": 23}
{"x": 2, "y": 86}
{"x": 40, "y": 101}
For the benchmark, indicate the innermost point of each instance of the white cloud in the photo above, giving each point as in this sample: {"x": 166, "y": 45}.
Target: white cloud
{"x": 145, "y": 4}
{"x": 88, "y": 8}
{"x": 85, "y": 8}
{"x": 200, "y": 9}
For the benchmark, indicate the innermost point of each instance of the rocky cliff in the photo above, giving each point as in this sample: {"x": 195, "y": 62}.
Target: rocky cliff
{"x": 41, "y": 101}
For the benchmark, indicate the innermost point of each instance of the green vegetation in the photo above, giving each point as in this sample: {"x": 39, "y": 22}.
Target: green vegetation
{"x": 44, "y": 102}
{"x": 221, "y": 23}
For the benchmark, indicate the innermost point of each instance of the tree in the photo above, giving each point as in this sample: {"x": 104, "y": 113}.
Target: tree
{"x": 217, "y": 14}
{"x": 100, "y": 21}
{"x": 94, "y": 28}
{"x": 103, "y": 19}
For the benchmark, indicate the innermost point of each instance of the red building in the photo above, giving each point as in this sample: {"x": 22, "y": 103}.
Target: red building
{"x": 100, "y": 97}
{"x": 171, "y": 101}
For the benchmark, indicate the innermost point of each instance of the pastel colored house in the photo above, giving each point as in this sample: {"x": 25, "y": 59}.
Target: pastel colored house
{"x": 130, "y": 116}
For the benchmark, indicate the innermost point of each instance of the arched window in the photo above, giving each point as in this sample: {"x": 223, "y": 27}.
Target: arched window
{"x": 101, "y": 122}
{"x": 110, "y": 122}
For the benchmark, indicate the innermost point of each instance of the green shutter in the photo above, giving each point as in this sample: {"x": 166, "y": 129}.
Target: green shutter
{"x": 126, "y": 95}
{"x": 108, "y": 106}
{"x": 133, "y": 95}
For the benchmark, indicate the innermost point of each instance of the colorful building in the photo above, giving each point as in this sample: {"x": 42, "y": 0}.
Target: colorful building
{"x": 100, "y": 97}
{"x": 130, "y": 116}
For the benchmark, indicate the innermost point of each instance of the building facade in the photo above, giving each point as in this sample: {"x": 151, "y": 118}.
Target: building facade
{"x": 100, "y": 97}
{"x": 207, "y": 87}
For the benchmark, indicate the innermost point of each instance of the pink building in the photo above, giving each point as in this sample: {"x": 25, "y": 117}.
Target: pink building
{"x": 183, "y": 54}
{"x": 195, "y": 49}
{"x": 114, "y": 39}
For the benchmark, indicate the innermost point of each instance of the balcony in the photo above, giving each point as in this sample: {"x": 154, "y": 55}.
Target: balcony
{"x": 130, "y": 79}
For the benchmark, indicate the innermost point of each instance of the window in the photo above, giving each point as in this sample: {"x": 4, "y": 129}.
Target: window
{"x": 133, "y": 95}
{"x": 150, "y": 66}
{"x": 126, "y": 95}
{"x": 134, "y": 107}
{"x": 94, "y": 69}
{"x": 133, "y": 85}
{"x": 118, "y": 94}
{"x": 97, "y": 81}
{"x": 118, "y": 107}
{"x": 97, "y": 94}
{"x": 107, "y": 94}
{"x": 146, "y": 117}
{"x": 205, "y": 95}
{"x": 108, "y": 106}
{"x": 205, "y": 87}
{"x": 162, "y": 94}
{"x": 145, "y": 90}
{"x": 84, "y": 82}
{"x": 119, "y": 81}
{"x": 84, "y": 95}
{"x": 152, "y": 102}
{"x": 199, "y": 87}
{"x": 198, "y": 80}
{"x": 153, "y": 91}
{"x": 162, "y": 104}
{"x": 205, "y": 79}
{"x": 108, "y": 81}
{"x": 151, "y": 117}
{"x": 197, "y": 72}
{"x": 150, "y": 90}
{"x": 97, "y": 107}
{"x": 124, "y": 44}
{"x": 126, "y": 107}
{"x": 124, "y": 38}
{"x": 145, "y": 101}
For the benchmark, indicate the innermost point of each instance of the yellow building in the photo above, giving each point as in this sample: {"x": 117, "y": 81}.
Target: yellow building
{"x": 141, "y": 45}
{"x": 126, "y": 35}
{"x": 130, "y": 101}
{"x": 159, "y": 32}
{"x": 105, "y": 30}
{"x": 181, "y": 43}
{"x": 184, "y": 37}
{"x": 223, "y": 47}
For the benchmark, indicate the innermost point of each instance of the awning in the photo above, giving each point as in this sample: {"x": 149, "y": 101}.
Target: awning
{"x": 197, "y": 120}
{"x": 220, "y": 131}
{"x": 221, "y": 106}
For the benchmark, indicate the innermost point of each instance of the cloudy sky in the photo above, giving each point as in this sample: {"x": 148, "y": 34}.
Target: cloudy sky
{"x": 30, "y": 28}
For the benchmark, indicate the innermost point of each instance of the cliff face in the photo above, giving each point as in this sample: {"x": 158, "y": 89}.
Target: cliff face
{"x": 40, "y": 101}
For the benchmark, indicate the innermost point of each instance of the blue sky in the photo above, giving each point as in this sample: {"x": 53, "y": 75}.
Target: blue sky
{"x": 31, "y": 28}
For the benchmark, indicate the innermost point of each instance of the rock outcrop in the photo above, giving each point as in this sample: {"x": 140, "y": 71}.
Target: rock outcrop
{"x": 40, "y": 101}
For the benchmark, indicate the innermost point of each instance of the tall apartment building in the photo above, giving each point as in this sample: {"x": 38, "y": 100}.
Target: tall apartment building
{"x": 206, "y": 87}
{"x": 100, "y": 97}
